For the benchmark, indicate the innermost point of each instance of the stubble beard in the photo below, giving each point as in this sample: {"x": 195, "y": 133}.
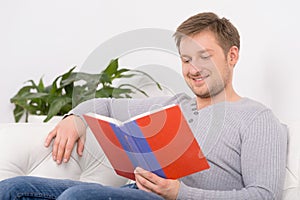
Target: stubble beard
{"x": 211, "y": 91}
{"x": 214, "y": 88}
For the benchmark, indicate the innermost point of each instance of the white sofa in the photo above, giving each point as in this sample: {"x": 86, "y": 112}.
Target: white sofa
{"x": 23, "y": 153}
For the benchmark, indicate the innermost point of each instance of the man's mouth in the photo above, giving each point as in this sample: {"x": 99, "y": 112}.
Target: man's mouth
{"x": 200, "y": 78}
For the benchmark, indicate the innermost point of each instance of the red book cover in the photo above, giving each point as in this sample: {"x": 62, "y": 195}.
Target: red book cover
{"x": 159, "y": 141}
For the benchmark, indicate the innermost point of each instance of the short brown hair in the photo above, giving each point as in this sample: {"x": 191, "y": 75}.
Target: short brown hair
{"x": 226, "y": 34}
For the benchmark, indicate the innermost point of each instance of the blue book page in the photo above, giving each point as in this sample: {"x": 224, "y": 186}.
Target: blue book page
{"x": 145, "y": 151}
{"x": 123, "y": 139}
{"x": 130, "y": 147}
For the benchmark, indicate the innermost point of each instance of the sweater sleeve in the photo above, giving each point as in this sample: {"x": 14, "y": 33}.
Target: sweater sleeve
{"x": 97, "y": 105}
{"x": 123, "y": 108}
{"x": 263, "y": 161}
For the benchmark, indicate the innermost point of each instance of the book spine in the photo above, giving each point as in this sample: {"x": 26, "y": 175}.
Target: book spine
{"x": 143, "y": 149}
{"x": 126, "y": 143}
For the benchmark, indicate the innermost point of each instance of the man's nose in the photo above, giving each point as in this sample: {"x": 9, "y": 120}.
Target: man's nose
{"x": 195, "y": 67}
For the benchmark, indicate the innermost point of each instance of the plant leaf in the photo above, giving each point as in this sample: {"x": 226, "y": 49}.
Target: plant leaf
{"x": 56, "y": 106}
{"x": 105, "y": 79}
{"x": 80, "y": 76}
{"x": 120, "y": 73}
{"x": 33, "y": 84}
{"x": 110, "y": 92}
{"x": 29, "y": 96}
{"x": 112, "y": 67}
{"x": 139, "y": 90}
{"x": 72, "y": 88}
{"x": 54, "y": 88}
{"x": 18, "y": 113}
{"x": 40, "y": 86}
{"x": 150, "y": 77}
{"x": 23, "y": 91}
{"x": 67, "y": 74}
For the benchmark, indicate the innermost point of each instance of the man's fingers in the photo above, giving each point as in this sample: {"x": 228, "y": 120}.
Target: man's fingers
{"x": 55, "y": 147}
{"x": 139, "y": 185}
{"x": 61, "y": 147}
{"x": 50, "y": 137}
{"x": 64, "y": 137}
{"x": 147, "y": 175}
{"x": 80, "y": 145}
{"x": 149, "y": 181}
{"x": 70, "y": 145}
{"x": 145, "y": 180}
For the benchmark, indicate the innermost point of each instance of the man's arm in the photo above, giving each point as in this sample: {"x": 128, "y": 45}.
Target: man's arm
{"x": 263, "y": 160}
{"x": 72, "y": 130}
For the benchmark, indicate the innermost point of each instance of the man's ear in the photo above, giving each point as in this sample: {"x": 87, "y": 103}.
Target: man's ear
{"x": 233, "y": 55}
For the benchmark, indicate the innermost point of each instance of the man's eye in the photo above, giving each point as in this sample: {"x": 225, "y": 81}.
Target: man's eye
{"x": 204, "y": 57}
{"x": 185, "y": 60}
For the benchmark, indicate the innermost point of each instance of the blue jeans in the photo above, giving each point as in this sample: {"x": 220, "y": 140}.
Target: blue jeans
{"x": 31, "y": 188}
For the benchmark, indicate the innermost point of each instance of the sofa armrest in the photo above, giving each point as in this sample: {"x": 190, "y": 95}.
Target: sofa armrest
{"x": 291, "y": 188}
{"x": 23, "y": 153}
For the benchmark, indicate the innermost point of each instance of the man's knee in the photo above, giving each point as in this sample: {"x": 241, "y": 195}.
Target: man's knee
{"x": 77, "y": 193}
{"x": 10, "y": 188}
{"x": 99, "y": 192}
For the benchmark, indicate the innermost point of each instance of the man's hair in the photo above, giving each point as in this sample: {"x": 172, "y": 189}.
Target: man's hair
{"x": 226, "y": 34}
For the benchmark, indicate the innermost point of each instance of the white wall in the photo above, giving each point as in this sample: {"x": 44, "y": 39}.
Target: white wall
{"x": 49, "y": 37}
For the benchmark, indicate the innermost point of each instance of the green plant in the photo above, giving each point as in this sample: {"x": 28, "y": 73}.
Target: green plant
{"x": 72, "y": 88}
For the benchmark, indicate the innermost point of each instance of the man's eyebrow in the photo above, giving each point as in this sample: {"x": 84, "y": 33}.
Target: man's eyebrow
{"x": 182, "y": 55}
{"x": 205, "y": 50}
{"x": 198, "y": 52}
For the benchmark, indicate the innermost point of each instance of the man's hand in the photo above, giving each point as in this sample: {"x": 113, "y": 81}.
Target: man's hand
{"x": 150, "y": 182}
{"x": 66, "y": 133}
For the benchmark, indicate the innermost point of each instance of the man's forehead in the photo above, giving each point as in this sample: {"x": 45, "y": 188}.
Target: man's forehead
{"x": 203, "y": 41}
{"x": 189, "y": 44}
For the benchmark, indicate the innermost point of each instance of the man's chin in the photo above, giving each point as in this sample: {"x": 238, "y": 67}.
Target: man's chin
{"x": 210, "y": 94}
{"x": 202, "y": 95}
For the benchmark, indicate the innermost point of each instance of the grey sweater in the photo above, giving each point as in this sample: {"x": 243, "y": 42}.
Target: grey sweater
{"x": 243, "y": 141}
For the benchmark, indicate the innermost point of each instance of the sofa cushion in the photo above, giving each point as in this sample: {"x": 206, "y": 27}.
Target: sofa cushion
{"x": 23, "y": 153}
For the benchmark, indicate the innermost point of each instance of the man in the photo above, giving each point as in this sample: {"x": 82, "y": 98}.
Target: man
{"x": 243, "y": 142}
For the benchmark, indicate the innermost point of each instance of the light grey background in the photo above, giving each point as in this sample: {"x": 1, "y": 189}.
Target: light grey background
{"x": 47, "y": 38}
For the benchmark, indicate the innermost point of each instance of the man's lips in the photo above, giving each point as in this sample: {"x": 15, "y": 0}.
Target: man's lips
{"x": 199, "y": 78}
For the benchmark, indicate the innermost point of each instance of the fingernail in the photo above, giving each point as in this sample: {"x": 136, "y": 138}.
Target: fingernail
{"x": 54, "y": 158}
{"x": 65, "y": 160}
{"x": 58, "y": 161}
{"x": 137, "y": 169}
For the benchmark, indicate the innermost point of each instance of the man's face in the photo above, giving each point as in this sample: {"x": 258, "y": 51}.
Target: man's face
{"x": 204, "y": 65}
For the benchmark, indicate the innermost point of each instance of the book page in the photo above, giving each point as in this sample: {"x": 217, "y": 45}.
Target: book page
{"x": 148, "y": 113}
{"x": 105, "y": 118}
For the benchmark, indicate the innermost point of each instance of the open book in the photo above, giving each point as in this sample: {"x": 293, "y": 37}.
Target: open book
{"x": 159, "y": 141}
